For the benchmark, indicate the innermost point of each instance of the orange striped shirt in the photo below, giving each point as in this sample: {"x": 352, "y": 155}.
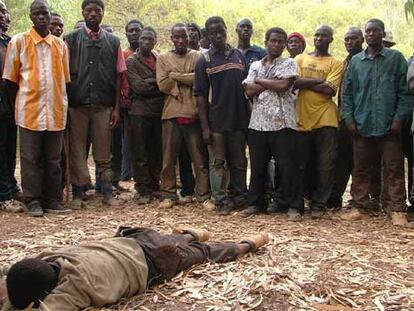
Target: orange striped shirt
{"x": 40, "y": 67}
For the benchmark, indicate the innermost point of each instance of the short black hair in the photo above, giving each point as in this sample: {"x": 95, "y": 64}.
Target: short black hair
{"x": 39, "y": 1}
{"x": 356, "y": 30}
{"x": 214, "y": 20}
{"x": 150, "y": 29}
{"x": 244, "y": 19}
{"x": 376, "y": 21}
{"x": 194, "y": 25}
{"x": 97, "y": 2}
{"x": 133, "y": 21}
{"x": 177, "y": 25}
{"x": 30, "y": 280}
{"x": 275, "y": 30}
{"x": 55, "y": 14}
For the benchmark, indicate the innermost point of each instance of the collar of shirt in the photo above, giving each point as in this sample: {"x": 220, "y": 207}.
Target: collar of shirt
{"x": 37, "y": 38}
{"x": 93, "y": 35}
{"x": 254, "y": 48}
{"x": 227, "y": 51}
{"x": 142, "y": 58}
{"x": 364, "y": 54}
{"x": 264, "y": 60}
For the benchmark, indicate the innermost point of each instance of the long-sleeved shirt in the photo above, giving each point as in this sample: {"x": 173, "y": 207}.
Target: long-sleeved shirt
{"x": 376, "y": 92}
{"x": 147, "y": 100}
{"x": 95, "y": 274}
{"x": 175, "y": 77}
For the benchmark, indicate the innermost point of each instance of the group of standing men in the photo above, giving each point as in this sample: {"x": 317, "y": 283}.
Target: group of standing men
{"x": 200, "y": 105}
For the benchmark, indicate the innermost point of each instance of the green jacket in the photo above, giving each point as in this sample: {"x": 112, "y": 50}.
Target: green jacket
{"x": 376, "y": 92}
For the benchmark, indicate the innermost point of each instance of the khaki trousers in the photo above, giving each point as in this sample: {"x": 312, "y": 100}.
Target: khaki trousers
{"x": 366, "y": 150}
{"x": 173, "y": 135}
{"x": 95, "y": 121}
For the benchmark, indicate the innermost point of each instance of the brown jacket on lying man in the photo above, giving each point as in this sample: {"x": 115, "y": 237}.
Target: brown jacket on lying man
{"x": 96, "y": 274}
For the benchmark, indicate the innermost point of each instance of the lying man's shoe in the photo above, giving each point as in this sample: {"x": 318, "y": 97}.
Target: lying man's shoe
{"x": 200, "y": 235}
{"x": 256, "y": 241}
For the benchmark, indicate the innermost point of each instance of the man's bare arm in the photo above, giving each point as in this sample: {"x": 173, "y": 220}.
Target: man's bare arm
{"x": 324, "y": 88}
{"x": 307, "y": 83}
{"x": 12, "y": 89}
{"x": 275, "y": 85}
{"x": 253, "y": 89}
{"x": 115, "y": 112}
{"x": 203, "y": 113}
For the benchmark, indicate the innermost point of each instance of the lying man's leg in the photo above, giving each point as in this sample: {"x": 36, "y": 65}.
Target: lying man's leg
{"x": 168, "y": 255}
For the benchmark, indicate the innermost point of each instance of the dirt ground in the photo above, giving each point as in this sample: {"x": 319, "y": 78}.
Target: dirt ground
{"x": 325, "y": 264}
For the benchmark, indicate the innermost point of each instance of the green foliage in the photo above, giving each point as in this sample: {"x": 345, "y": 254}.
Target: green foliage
{"x": 292, "y": 15}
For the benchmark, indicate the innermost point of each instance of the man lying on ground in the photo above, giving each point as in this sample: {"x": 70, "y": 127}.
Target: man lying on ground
{"x": 100, "y": 273}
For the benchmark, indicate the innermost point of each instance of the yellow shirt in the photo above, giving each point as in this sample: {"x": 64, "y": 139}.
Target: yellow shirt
{"x": 40, "y": 67}
{"x": 315, "y": 110}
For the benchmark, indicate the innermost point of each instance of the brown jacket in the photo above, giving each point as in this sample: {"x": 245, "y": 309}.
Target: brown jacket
{"x": 175, "y": 77}
{"x": 95, "y": 274}
{"x": 147, "y": 100}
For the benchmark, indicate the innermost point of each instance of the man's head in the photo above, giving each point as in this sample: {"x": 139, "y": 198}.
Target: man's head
{"x": 133, "y": 30}
{"x": 56, "y": 24}
{"x": 217, "y": 31}
{"x": 93, "y": 12}
{"x": 353, "y": 40}
{"x": 204, "y": 40}
{"x": 275, "y": 41}
{"x": 147, "y": 40}
{"x": 30, "y": 280}
{"x": 388, "y": 40}
{"x": 296, "y": 44}
{"x": 40, "y": 15}
{"x": 179, "y": 37}
{"x": 323, "y": 37}
{"x": 374, "y": 32}
{"x": 4, "y": 14}
{"x": 244, "y": 29}
{"x": 194, "y": 33}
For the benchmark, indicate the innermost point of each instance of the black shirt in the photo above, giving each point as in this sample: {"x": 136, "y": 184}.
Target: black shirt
{"x": 218, "y": 78}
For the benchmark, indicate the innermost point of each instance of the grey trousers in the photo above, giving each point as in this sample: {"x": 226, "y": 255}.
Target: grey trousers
{"x": 40, "y": 155}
